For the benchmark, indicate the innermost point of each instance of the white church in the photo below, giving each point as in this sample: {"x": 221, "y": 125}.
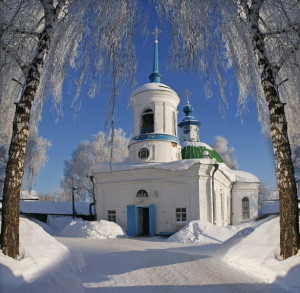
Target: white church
{"x": 168, "y": 182}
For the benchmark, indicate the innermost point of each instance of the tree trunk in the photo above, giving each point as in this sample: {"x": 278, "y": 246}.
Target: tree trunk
{"x": 289, "y": 217}
{"x": 15, "y": 165}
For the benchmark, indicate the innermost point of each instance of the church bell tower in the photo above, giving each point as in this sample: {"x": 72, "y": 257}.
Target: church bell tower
{"x": 154, "y": 108}
{"x": 190, "y": 127}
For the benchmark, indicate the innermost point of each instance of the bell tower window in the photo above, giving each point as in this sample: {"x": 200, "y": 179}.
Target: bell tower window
{"x": 147, "y": 122}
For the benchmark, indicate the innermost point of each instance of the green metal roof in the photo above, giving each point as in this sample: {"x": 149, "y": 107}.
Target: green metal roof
{"x": 196, "y": 152}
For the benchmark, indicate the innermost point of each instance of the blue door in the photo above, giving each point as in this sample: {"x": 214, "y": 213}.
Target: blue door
{"x": 141, "y": 220}
{"x": 152, "y": 220}
{"x": 131, "y": 220}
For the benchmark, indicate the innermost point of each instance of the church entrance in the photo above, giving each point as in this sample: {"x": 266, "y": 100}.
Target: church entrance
{"x": 141, "y": 220}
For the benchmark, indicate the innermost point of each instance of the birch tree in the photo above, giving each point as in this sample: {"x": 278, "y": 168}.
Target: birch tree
{"x": 39, "y": 39}
{"x": 259, "y": 41}
{"x": 78, "y": 169}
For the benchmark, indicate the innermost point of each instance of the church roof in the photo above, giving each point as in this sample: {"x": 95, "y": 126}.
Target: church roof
{"x": 195, "y": 150}
{"x": 153, "y": 86}
{"x": 233, "y": 175}
{"x": 243, "y": 176}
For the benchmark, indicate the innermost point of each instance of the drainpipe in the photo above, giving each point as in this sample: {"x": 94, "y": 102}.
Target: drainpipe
{"x": 213, "y": 196}
{"x": 94, "y": 198}
{"x": 231, "y": 202}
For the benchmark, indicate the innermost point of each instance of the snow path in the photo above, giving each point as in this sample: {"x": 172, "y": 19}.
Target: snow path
{"x": 153, "y": 265}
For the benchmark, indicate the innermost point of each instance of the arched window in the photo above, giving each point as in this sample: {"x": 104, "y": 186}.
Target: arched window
{"x": 245, "y": 208}
{"x": 147, "y": 122}
{"x": 142, "y": 193}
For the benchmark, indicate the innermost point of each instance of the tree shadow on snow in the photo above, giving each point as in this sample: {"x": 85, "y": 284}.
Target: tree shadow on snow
{"x": 291, "y": 279}
{"x": 8, "y": 279}
{"x": 212, "y": 288}
{"x": 116, "y": 263}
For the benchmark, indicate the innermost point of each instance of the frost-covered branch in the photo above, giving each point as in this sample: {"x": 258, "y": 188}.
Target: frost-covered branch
{"x": 288, "y": 54}
{"x": 71, "y": 33}
{"x": 34, "y": 34}
{"x": 244, "y": 9}
{"x": 13, "y": 56}
{"x": 36, "y": 156}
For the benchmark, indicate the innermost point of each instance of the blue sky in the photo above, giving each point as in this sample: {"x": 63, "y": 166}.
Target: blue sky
{"x": 253, "y": 152}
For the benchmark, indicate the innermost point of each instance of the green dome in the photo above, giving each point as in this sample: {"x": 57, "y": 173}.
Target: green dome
{"x": 196, "y": 152}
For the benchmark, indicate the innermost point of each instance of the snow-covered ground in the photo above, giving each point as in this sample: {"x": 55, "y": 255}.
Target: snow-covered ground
{"x": 201, "y": 257}
{"x": 44, "y": 265}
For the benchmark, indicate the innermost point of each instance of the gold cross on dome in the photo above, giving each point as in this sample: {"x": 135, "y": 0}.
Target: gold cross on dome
{"x": 156, "y": 32}
{"x": 187, "y": 93}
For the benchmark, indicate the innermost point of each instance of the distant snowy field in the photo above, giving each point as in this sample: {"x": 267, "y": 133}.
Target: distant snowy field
{"x": 46, "y": 265}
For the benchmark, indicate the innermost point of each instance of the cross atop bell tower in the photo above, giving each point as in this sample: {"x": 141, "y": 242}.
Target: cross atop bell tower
{"x": 187, "y": 94}
{"x": 155, "y": 33}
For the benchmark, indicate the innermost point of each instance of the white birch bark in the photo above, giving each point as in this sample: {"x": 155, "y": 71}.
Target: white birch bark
{"x": 289, "y": 221}
{"x": 16, "y": 154}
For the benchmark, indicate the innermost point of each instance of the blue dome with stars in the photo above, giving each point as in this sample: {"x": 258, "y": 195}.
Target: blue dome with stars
{"x": 188, "y": 109}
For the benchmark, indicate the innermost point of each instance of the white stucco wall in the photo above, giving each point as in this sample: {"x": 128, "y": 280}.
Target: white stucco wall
{"x": 241, "y": 190}
{"x": 170, "y": 189}
{"x": 222, "y": 197}
{"x": 160, "y": 151}
{"x": 167, "y": 190}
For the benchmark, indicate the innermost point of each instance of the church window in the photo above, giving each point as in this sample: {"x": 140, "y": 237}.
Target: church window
{"x": 144, "y": 153}
{"x": 111, "y": 216}
{"x": 142, "y": 193}
{"x": 245, "y": 208}
{"x": 180, "y": 214}
{"x": 147, "y": 122}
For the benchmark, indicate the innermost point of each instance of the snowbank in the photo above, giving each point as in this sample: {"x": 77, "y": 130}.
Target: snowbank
{"x": 44, "y": 265}
{"x": 203, "y": 232}
{"x": 48, "y": 266}
{"x": 258, "y": 253}
{"x": 92, "y": 230}
{"x": 57, "y": 223}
